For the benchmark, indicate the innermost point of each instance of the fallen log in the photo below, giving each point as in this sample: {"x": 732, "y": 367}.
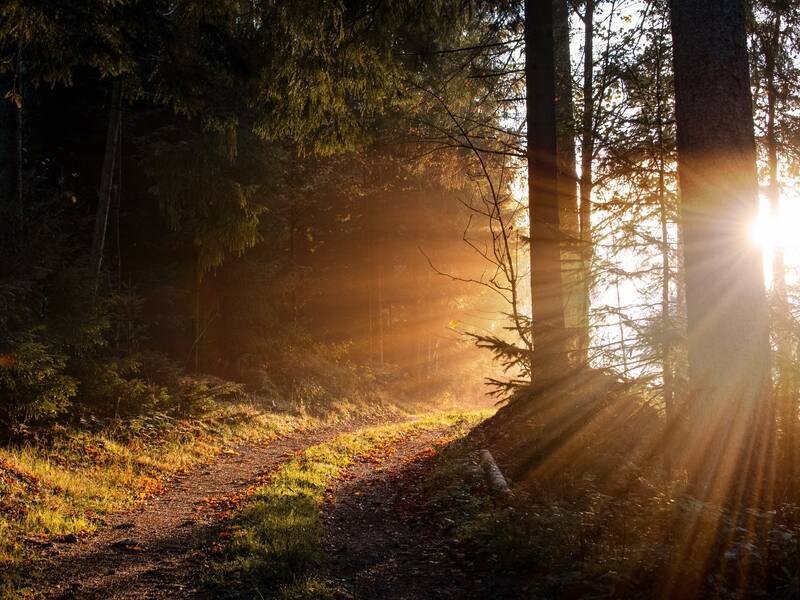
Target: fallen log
{"x": 494, "y": 476}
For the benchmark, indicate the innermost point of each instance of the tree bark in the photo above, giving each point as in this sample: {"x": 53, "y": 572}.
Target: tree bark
{"x": 667, "y": 372}
{"x": 784, "y": 395}
{"x": 494, "y": 476}
{"x": 104, "y": 193}
{"x": 549, "y": 353}
{"x": 8, "y": 144}
{"x": 573, "y": 278}
{"x": 198, "y": 315}
{"x": 19, "y": 196}
{"x": 586, "y": 183}
{"x": 11, "y": 182}
{"x": 729, "y": 453}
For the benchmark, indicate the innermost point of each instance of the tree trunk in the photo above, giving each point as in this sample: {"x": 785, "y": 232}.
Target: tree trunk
{"x": 785, "y": 397}
{"x": 18, "y": 147}
{"x": 549, "y": 353}
{"x": 8, "y": 145}
{"x": 567, "y": 183}
{"x": 494, "y": 476}
{"x": 104, "y": 193}
{"x": 586, "y": 183}
{"x": 729, "y": 453}
{"x": 621, "y": 324}
{"x": 198, "y": 315}
{"x": 380, "y": 313}
{"x": 11, "y": 185}
{"x": 667, "y": 373}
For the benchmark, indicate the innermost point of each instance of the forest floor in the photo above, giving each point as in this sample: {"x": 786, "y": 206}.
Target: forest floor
{"x": 385, "y": 539}
{"x": 338, "y": 512}
{"x": 351, "y": 510}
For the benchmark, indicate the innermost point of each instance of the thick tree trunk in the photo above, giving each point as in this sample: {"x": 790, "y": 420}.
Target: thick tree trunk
{"x": 549, "y": 353}
{"x": 105, "y": 190}
{"x": 667, "y": 372}
{"x": 586, "y": 183}
{"x": 572, "y": 275}
{"x": 729, "y": 362}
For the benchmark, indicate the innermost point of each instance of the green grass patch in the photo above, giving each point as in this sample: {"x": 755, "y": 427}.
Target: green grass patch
{"x": 273, "y": 544}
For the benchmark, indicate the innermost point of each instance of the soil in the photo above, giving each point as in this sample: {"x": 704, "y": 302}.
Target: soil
{"x": 385, "y": 542}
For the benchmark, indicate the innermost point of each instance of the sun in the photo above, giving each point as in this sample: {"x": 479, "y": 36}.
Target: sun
{"x": 779, "y": 229}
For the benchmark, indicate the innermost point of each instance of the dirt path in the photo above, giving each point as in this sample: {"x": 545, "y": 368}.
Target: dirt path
{"x": 155, "y": 551}
{"x": 384, "y": 542}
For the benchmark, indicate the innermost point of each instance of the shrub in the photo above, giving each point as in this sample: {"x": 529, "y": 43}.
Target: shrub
{"x": 199, "y": 395}
{"x": 33, "y": 385}
{"x": 114, "y": 388}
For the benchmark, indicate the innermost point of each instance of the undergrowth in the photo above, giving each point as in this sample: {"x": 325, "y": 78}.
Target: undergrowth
{"x": 572, "y": 539}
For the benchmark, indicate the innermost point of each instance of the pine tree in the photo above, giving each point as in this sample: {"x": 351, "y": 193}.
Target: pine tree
{"x": 729, "y": 366}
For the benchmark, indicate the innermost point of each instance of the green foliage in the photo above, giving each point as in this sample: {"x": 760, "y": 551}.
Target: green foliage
{"x": 324, "y": 76}
{"x": 200, "y": 192}
{"x": 315, "y": 375}
{"x": 57, "y": 40}
{"x": 198, "y": 395}
{"x": 112, "y": 387}
{"x": 33, "y": 385}
{"x": 224, "y": 104}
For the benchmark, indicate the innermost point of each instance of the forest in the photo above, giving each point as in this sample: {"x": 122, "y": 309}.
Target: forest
{"x": 399, "y": 299}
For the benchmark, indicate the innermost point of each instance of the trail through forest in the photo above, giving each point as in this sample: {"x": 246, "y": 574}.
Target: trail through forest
{"x": 386, "y": 542}
{"x": 382, "y": 539}
{"x": 156, "y": 551}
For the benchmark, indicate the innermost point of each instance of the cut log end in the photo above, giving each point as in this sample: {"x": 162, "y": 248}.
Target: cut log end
{"x": 494, "y": 476}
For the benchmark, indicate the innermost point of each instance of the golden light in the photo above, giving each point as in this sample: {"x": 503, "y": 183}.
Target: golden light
{"x": 774, "y": 230}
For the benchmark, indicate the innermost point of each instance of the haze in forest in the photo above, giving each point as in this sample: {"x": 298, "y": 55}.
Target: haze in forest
{"x": 399, "y": 298}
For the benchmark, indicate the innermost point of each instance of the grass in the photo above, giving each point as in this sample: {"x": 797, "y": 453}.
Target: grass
{"x": 273, "y": 544}
{"x": 68, "y": 483}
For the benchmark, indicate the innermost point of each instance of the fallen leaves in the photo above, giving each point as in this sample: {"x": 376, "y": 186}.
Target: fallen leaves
{"x": 429, "y": 452}
{"x": 38, "y": 539}
{"x": 224, "y": 506}
{"x": 19, "y": 491}
{"x": 149, "y": 486}
{"x": 215, "y": 548}
{"x": 128, "y": 545}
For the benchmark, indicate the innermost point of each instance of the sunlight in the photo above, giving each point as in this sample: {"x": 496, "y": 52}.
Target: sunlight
{"x": 778, "y": 230}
